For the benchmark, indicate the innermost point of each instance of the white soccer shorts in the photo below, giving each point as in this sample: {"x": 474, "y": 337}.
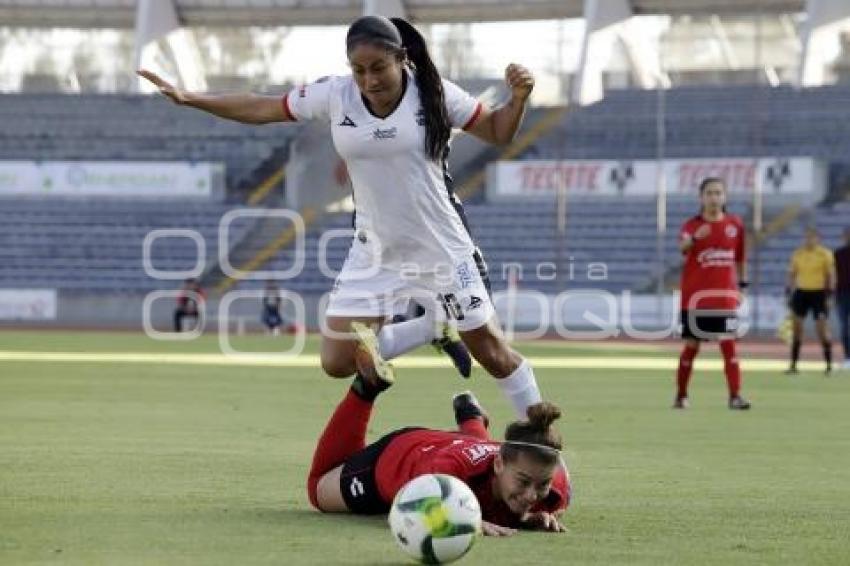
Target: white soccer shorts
{"x": 456, "y": 292}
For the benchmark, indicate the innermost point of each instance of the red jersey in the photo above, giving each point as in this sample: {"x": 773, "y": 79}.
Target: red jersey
{"x": 189, "y": 298}
{"x": 710, "y": 264}
{"x": 468, "y": 458}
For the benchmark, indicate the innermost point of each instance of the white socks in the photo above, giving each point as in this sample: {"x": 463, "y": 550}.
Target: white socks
{"x": 521, "y": 389}
{"x": 396, "y": 339}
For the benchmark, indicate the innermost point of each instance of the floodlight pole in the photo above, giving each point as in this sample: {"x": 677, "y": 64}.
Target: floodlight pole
{"x": 661, "y": 189}
{"x": 757, "y": 188}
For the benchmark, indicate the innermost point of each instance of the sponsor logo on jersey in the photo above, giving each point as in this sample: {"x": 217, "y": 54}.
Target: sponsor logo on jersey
{"x": 420, "y": 117}
{"x": 479, "y": 452}
{"x": 715, "y": 257}
{"x": 387, "y": 134}
{"x": 731, "y": 230}
{"x": 474, "y": 303}
{"x": 348, "y": 122}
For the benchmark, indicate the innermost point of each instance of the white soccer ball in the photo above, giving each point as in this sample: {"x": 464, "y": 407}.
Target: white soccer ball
{"x": 435, "y": 518}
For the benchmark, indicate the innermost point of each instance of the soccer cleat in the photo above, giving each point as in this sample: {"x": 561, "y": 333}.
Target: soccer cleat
{"x": 738, "y": 403}
{"x": 366, "y": 390}
{"x": 791, "y": 371}
{"x": 449, "y": 342}
{"x": 466, "y": 407}
{"x": 681, "y": 403}
{"x": 376, "y": 371}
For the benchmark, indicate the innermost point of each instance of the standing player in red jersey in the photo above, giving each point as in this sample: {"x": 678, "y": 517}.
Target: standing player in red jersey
{"x": 715, "y": 269}
{"x": 520, "y": 483}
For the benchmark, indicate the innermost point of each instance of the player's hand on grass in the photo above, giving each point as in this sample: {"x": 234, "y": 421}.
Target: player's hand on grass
{"x": 543, "y": 521}
{"x": 702, "y": 232}
{"x": 177, "y": 95}
{"x": 492, "y": 530}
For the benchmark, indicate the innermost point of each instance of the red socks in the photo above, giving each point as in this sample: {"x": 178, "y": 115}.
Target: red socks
{"x": 475, "y": 427}
{"x": 731, "y": 367}
{"x": 344, "y": 435}
{"x": 683, "y": 374}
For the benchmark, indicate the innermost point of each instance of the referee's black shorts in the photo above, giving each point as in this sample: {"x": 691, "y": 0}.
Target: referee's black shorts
{"x": 709, "y": 325}
{"x": 804, "y": 301}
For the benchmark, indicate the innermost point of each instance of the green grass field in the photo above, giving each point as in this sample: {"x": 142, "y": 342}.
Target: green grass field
{"x": 154, "y": 461}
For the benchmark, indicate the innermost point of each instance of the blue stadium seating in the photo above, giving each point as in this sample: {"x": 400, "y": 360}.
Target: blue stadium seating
{"x": 96, "y": 245}
{"x": 707, "y": 121}
{"x": 525, "y": 234}
{"x": 131, "y": 127}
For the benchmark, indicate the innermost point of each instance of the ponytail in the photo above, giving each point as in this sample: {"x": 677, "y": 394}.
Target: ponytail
{"x": 534, "y": 436}
{"x": 431, "y": 95}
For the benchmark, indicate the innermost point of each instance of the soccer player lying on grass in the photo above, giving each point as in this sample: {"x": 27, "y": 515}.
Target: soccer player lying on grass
{"x": 520, "y": 483}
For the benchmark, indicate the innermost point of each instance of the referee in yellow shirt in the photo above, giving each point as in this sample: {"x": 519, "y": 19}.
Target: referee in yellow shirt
{"x": 811, "y": 277}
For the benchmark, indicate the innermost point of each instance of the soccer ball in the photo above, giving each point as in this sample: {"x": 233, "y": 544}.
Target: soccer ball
{"x": 435, "y": 518}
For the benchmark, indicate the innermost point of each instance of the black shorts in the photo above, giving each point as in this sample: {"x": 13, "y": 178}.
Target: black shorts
{"x": 705, "y": 325}
{"x": 358, "y": 484}
{"x": 272, "y": 318}
{"x": 804, "y": 301}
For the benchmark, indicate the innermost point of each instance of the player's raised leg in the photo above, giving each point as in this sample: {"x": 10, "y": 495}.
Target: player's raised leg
{"x": 344, "y": 435}
{"x": 470, "y": 416}
{"x": 402, "y": 337}
{"x": 339, "y": 344}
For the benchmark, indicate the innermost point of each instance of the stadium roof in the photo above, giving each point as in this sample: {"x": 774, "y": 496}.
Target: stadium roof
{"x": 121, "y": 13}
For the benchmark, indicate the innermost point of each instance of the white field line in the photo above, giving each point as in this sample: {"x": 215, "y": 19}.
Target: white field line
{"x": 417, "y": 362}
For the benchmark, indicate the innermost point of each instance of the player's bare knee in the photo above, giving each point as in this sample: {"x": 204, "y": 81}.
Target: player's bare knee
{"x": 328, "y": 495}
{"x": 336, "y": 367}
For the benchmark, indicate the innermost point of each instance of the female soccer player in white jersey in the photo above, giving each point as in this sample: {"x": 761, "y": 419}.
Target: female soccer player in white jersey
{"x": 390, "y": 121}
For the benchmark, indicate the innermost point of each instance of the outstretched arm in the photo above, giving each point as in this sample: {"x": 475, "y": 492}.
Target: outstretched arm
{"x": 499, "y": 126}
{"x": 245, "y": 108}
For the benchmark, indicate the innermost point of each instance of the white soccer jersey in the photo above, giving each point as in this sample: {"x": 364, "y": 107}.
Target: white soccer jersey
{"x": 400, "y": 195}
